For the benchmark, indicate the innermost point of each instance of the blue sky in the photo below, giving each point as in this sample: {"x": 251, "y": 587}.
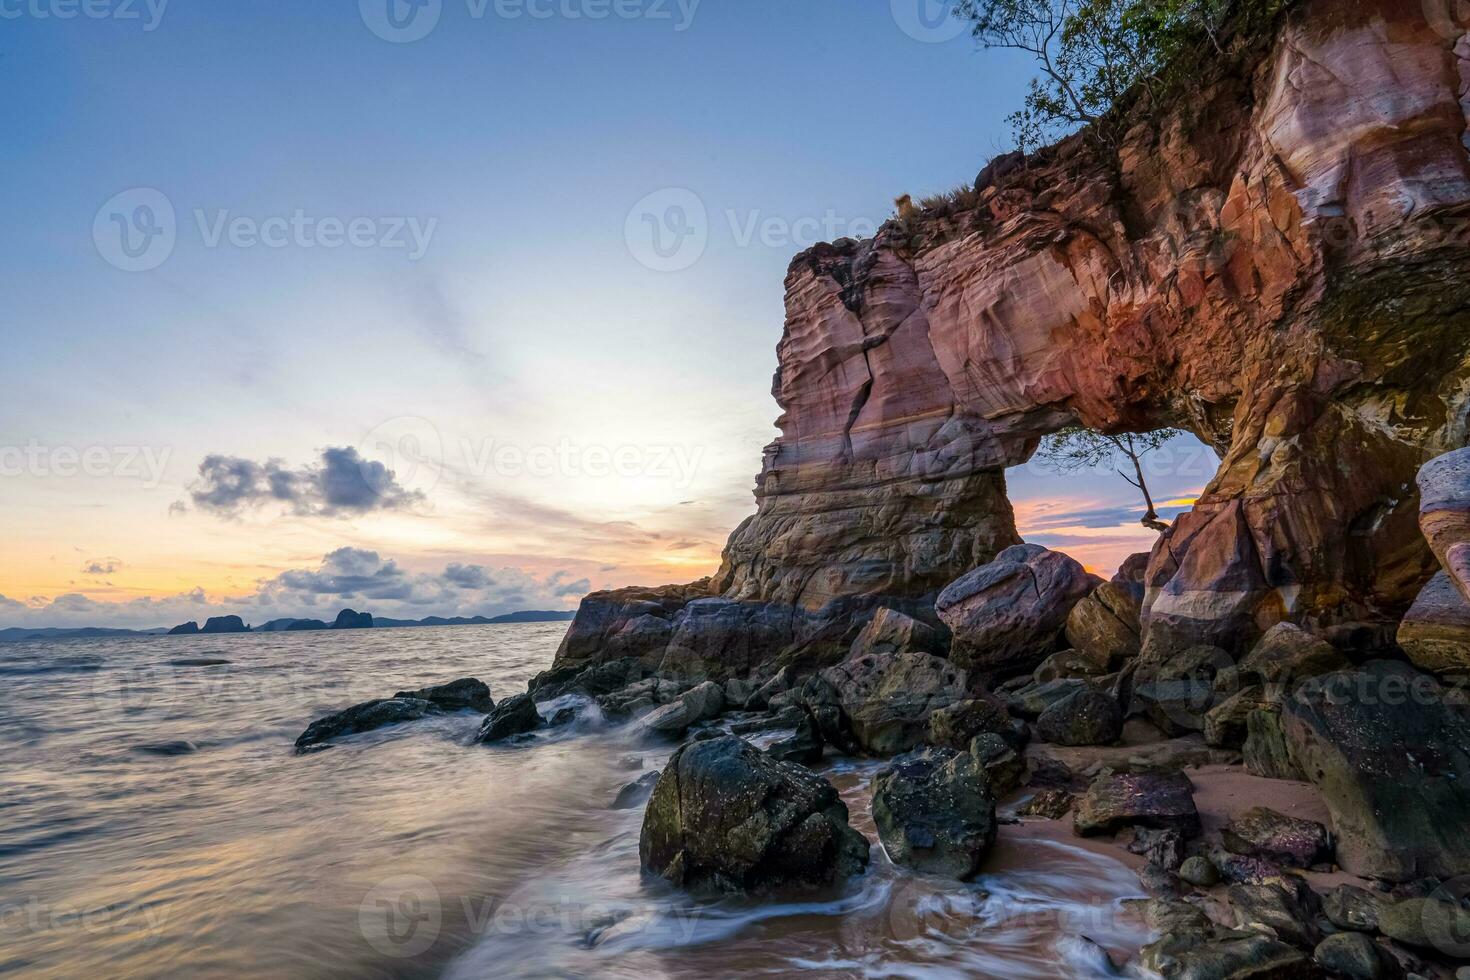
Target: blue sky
{"x": 489, "y": 310}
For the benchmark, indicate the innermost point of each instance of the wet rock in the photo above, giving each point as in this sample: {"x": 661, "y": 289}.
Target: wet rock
{"x": 562, "y": 717}
{"x": 513, "y": 716}
{"x": 725, "y": 816}
{"x": 1285, "y": 911}
{"x": 695, "y": 705}
{"x": 1087, "y": 717}
{"x": 1242, "y": 869}
{"x": 1354, "y": 956}
{"x": 1224, "y": 955}
{"x": 1266, "y": 753}
{"x": 779, "y": 683}
{"x": 1435, "y": 634}
{"x": 466, "y": 694}
{"x": 1067, "y": 663}
{"x": 1429, "y": 924}
{"x": 595, "y": 681}
{"x": 957, "y": 725}
{"x": 1152, "y": 799}
{"x": 1262, "y": 832}
{"x": 1008, "y": 615}
{"x": 636, "y": 792}
{"x": 1199, "y": 872}
{"x": 1388, "y": 751}
{"x": 804, "y": 746}
{"x": 1049, "y": 804}
{"x": 1163, "y": 849}
{"x": 1172, "y": 915}
{"x": 1227, "y": 724}
{"x": 1288, "y": 655}
{"x": 1104, "y": 626}
{"x": 935, "y": 812}
{"x": 363, "y": 718}
{"x": 1001, "y": 763}
{"x": 886, "y": 700}
{"x": 1353, "y": 908}
{"x": 890, "y": 631}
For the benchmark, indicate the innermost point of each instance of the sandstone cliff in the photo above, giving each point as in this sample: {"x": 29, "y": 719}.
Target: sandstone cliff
{"x": 1280, "y": 266}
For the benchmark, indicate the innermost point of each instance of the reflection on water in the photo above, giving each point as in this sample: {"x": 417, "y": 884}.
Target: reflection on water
{"x": 155, "y": 823}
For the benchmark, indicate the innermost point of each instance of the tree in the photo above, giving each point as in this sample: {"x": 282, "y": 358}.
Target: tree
{"x": 1075, "y": 448}
{"x": 1095, "y": 55}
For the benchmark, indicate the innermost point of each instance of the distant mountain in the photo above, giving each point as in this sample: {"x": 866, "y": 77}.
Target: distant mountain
{"x": 346, "y": 619}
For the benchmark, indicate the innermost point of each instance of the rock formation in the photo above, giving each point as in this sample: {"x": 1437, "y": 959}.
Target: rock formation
{"x": 1279, "y": 266}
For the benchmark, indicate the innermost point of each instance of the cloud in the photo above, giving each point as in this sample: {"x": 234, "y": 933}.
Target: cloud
{"x": 102, "y": 566}
{"x": 341, "y": 483}
{"x": 1102, "y": 517}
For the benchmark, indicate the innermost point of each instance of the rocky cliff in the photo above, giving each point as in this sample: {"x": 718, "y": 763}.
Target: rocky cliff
{"x": 1280, "y": 266}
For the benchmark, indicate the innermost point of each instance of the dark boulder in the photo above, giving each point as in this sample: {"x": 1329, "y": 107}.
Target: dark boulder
{"x": 726, "y": 816}
{"x": 804, "y": 746}
{"x": 701, "y": 703}
{"x": 935, "y": 812}
{"x": 890, "y": 631}
{"x": 634, "y": 793}
{"x": 1431, "y": 923}
{"x": 1390, "y": 752}
{"x": 1178, "y": 692}
{"x": 1087, "y": 717}
{"x": 1354, "y": 956}
{"x": 1001, "y": 763}
{"x": 1286, "y": 909}
{"x": 1266, "y": 753}
{"x": 1288, "y": 655}
{"x": 1104, "y": 626}
{"x": 1161, "y": 800}
{"x": 364, "y": 717}
{"x": 513, "y": 716}
{"x": 957, "y": 725}
{"x": 465, "y": 694}
{"x": 1214, "y": 954}
{"x": 1353, "y": 908}
{"x": 886, "y": 700}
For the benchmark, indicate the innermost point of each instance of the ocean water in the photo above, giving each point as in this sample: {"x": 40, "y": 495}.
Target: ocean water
{"x": 155, "y": 822}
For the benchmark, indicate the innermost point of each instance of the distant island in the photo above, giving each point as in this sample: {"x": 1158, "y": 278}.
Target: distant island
{"x": 346, "y": 619}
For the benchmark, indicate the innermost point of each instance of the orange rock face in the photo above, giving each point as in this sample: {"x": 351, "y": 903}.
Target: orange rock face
{"x": 1280, "y": 266}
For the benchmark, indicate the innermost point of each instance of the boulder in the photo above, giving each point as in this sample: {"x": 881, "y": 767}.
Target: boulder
{"x": 1444, "y": 514}
{"x": 1200, "y": 872}
{"x": 1086, "y": 717}
{"x": 1008, "y": 615}
{"x": 1354, "y": 956}
{"x": 1176, "y": 693}
{"x": 935, "y": 812}
{"x": 1428, "y": 923}
{"x": 1435, "y": 634}
{"x": 1227, "y": 724}
{"x": 1390, "y": 754}
{"x": 957, "y": 725}
{"x": 804, "y": 746}
{"x": 1266, "y": 752}
{"x": 1262, "y": 832}
{"x": 1033, "y": 699}
{"x": 1210, "y": 954}
{"x": 890, "y": 631}
{"x": 1049, "y": 804}
{"x": 725, "y": 816}
{"x": 465, "y": 694}
{"x": 1161, "y": 800}
{"x": 1000, "y": 761}
{"x": 698, "y": 704}
{"x": 1285, "y": 909}
{"x": 1288, "y": 655}
{"x": 634, "y": 793}
{"x": 779, "y": 683}
{"x": 886, "y": 700}
{"x": 364, "y": 717}
{"x": 1352, "y": 908}
{"x": 513, "y": 716}
{"x": 1104, "y": 626}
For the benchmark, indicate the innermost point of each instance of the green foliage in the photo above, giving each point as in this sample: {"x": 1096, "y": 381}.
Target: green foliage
{"x": 1097, "y": 56}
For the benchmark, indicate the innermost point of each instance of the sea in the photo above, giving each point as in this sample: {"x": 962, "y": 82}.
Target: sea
{"x": 155, "y": 821}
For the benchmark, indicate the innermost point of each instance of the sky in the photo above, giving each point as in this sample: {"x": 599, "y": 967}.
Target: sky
{"x": 308, "y": 305}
